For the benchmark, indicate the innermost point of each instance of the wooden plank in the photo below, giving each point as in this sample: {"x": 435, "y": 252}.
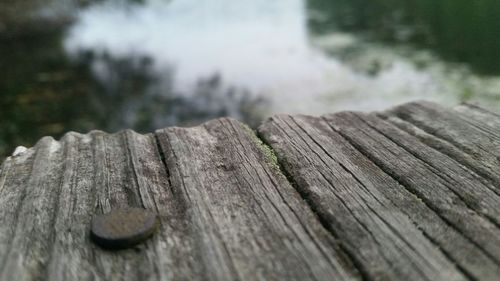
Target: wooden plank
{"x": 250, "y": 223}
{"x": 477, "y": 194}
{"x": 131, "y": 173}
{"x": 459, "y": 134}
{"x": 455, "y": 193}
{"x": 71, "y": 181}
{"x": 408, "y": 194}
{"x": 31, "y": 213}
{"x": 14, "y": 177}
{"x": 471, "y": 161}
{"x": 70, "y": 252}
{"x": 481, "y": 115}
{"x": 391, "y": 233}
{"x": 229, "y": 214}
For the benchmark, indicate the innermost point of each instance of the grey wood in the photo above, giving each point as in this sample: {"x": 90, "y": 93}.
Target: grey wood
{"x": 226, "y": 211}
{"x": 475, "y": 143}
{"x": 480, "y": 114}
{"x": 248, "y": 220}
{"x": 411, "y": 193}
{"x": 472, "y": 161}
{"x": 368, "y": 209}
{"x": 454, "y": 192}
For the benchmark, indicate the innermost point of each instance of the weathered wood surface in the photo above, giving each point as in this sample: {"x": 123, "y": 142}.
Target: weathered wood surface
{"x": 411, "y": 193}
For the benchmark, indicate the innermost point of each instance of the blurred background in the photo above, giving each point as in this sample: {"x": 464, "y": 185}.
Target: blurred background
{"x": 145, "y": 64}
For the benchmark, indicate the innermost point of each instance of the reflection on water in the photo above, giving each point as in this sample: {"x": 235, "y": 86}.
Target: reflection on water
{"x": 459, "y": 30}
{"x": 145, "y": 64}
{"x": 260, "y": 45}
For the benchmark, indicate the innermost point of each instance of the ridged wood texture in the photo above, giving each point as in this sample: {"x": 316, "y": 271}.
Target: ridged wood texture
{"x": 411, "y": 193}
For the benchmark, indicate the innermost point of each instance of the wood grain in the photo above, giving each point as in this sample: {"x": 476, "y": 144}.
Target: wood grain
{"x": 368, "y": 209}
{"x": 249, "y": 222}
{"x": 454, "y": 192}
{"x": 226, "y": 211}
{"x": 468, "y": 134}
{"x": 411, "y": 193}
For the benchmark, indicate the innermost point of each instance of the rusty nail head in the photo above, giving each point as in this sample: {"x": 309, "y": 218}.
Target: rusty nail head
{"x": 123, "y": 228}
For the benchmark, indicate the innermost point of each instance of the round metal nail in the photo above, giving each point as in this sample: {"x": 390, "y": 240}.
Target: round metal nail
{"x": 123, "y": 228}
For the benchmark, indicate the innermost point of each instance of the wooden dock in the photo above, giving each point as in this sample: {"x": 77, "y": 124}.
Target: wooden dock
{"x": 412, "y": 193}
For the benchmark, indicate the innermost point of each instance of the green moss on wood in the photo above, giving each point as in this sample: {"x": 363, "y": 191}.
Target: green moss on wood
{"x": 268, "y": 152}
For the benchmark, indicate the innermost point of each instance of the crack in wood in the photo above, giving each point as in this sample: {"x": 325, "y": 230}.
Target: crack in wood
{"x": 414, "y": 191}
{"x": 303, "y": 198}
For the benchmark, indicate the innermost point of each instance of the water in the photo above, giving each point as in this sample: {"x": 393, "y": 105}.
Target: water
{"x": 114, "y": 64}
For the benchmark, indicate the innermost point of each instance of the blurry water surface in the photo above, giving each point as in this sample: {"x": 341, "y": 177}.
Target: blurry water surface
{"x": 113, "y": 64}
